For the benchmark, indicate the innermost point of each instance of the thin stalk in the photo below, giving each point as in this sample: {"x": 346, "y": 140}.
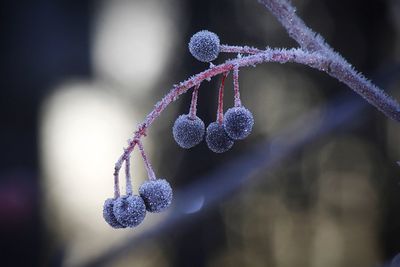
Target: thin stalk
{"x": 220, "y": 109}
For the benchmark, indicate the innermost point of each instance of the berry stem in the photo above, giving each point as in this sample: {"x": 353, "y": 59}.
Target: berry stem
{"x": 116, "y": 183}
{"x": 239, "y": 49}
{"x": 150, "y": 172}
{"x": 193, "y": 104}
{"x": 220, "y": 109}
{"x": 128, "y": 175}
{"x": 238, "y": 103}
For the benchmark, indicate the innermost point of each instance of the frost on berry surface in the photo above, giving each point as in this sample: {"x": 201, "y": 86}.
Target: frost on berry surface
{"x": 238, "y": 122}
{"x": 217, "y": 139}
{"x": 156, "y": 194}
{"x": 108, "y": 214}
{"x": 204, "y": 46}
{"x": 129, "y": 210}
{"x": 188, "y": 131}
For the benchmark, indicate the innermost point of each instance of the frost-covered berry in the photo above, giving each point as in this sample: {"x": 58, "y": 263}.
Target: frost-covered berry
{"x": 129, "y": 210}
{"x": 156, "y": 194}
{"x": 238, "y": 122}
{"x": 204, "y": 46}
{"x": 108, "y": 214}
{"x": 217, "y": 139}
{"x": 188, "y": 131}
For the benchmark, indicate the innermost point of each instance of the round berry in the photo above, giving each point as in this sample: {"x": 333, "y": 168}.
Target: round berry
{"x": 217, "y": 139}
{"x": 204, "y": 46}
{"x": 238, "y": 122}
{"x": 188, "y": 131}
{"x": 129, "y": 210}
{"x": 108, "y": 214}
{"x": 156, "y": 194}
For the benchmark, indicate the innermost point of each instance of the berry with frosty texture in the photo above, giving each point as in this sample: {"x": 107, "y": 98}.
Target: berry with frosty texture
{"x": 108, "y": 214}
{"x": 129, "y": 210}
{"x": 238, "y": 122}
{"x": 204, "y": 46}
{"x": 156, "y": 194}
{"x": 188, "y": 131}
{"x": 217, "y": 139}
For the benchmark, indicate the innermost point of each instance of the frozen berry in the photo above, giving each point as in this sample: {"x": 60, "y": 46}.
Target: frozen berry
{"x": 156, "y": 194}
{"x": 129, "y": 210}
{"x": 188, "y": 131}
{"x": 108, "y": 214}
{"x": 217, "y": 139}
{"x": 238, "y": 122}
{"x": 204, "y": 46}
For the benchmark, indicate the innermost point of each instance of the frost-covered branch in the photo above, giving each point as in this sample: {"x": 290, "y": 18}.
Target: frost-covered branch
{"x": 332, "y": 66}
{"x": 338, "y": 67}
{"x": 236, "y": 125}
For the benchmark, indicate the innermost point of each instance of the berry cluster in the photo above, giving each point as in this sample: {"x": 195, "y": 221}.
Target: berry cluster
{"x": 235, "y": 124}
{"x": 155, "y": 195}
{"x": 130, "y": 210}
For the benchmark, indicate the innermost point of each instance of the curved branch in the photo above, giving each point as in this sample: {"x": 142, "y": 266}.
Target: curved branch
{"x": 335, "y": 67}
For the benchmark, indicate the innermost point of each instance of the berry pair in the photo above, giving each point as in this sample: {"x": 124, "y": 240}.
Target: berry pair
{"x": 237, "y": 125}
{"x": 130, "y": 210}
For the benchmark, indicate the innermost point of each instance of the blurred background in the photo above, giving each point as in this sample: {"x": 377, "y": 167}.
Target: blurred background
{"x": 77, "y": 77}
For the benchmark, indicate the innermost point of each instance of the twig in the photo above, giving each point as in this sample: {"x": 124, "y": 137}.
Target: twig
{"x": 238, "y": 102}
{"x": 220, "y": 108}
{"x": 146, "y": 161}
{"x": 239, "y": 49}
{"x": 193, "y": 104}
{"x": 128, "y": 175}
{"x": 333, "y": 66}
{"x": 336, "y": 66}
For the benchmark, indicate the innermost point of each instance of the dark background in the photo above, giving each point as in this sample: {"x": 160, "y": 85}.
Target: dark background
{"x": 45, "y": 43}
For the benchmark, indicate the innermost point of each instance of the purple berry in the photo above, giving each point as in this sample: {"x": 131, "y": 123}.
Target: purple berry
{"x": 217, "y": 139}
{"x": 188, "y": 131}
{"x": 204, "y": 46}
{"x": 129, "y": 210}
{"x": 108, "y": 214}
{"x": 156, "y": 194}
{"x": 238, "y": 122}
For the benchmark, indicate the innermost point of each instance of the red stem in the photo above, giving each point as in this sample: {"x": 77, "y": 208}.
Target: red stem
{"x": 116, "y": 182}
{"x": 193, "y": 104}
{"x": 128, "y": 175}
{"x": 220, "y": 110}
{"x": 149, "y": 169}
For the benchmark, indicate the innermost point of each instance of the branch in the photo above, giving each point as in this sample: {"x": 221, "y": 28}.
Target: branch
{"x": 333, "y": 66}
{"x": 337, "y": 66}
